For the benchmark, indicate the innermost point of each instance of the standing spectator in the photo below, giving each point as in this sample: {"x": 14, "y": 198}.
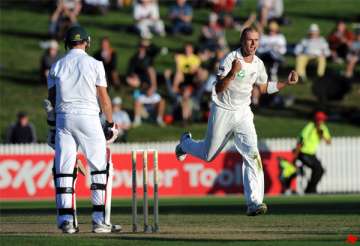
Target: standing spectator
{"x": 96, "y": 6}
{"x": 306, "y": 148}
{"x": 354, "y": 56}
{"x": 181, "y": 16}
{"x": 50, "y": 56}
{"x": 147, "y": 17}
{"x": 313, "y": 47}
{"x": 272, "y": 49}
{"x": 270, "y": 10}
{"x": 340, "y": 40}
{"x": 22, "y": 131}
{"x": 64, "y": 16}
{"x": 108, "y": 56}
{"x": 121, "y": 119}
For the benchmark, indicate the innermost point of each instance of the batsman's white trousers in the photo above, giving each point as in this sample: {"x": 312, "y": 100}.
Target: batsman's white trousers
{"x": 222, "y": 125}
{"x": 72, "y": 131}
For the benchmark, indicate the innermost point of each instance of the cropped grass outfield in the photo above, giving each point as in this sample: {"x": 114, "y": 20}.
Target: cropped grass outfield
{"x": 295, "y": 220}
{"x": 22, "y": 27}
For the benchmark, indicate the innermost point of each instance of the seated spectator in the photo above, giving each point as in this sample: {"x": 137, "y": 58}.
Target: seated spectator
{"x": 224, "y": 9}
{"x": 187, "y": 67}
{"x": 22, "y": 131}
{"x": 140, "y": 68}
{"x": 149, "y": 104}
{"x": 269, "y": 10}
{"x": 181, "y": 17}
{"x": 340, "y": 40}
{"x": 108, "y": 56}
{"x": 96, "y": 6}
{"x": 313, "y": 47}
{"x": 64, "y": 16}
{"x": 354, "y": 56}
{"x": 50, "y": 56}
{"x": 147, "y": 17}
{"x": 272, "y": 48}
{"x": 123, "y": 3}
{"x": 187, "y": 80}
{"x": 121, "y": 119}
{"x": 213, "y": 35}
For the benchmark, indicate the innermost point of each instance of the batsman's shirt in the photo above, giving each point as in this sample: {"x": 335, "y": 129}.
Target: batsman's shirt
{"x": 76, "y": 76}
{"x": 238, "y": 94}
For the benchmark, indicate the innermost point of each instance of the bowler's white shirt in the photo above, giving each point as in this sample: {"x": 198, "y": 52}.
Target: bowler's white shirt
{"x": 238, "y": 94}
{"x": 76, "y": 76}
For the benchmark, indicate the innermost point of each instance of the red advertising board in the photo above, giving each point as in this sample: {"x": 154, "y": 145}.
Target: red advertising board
{"x": 30, "y": 176}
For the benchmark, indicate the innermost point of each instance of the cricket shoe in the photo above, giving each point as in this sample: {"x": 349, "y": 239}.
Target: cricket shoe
{"x": 69, "y": 228}
{"x": 179, "y": 152}
{"x": 257, "y": 210}
{"x": 104, "y": 228}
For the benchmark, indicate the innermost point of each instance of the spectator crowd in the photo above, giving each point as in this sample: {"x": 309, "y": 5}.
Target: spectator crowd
{"x": 183, "y": 93}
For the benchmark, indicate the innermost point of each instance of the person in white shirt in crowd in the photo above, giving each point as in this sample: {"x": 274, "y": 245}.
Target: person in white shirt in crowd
{"x": 96, "y": 6}
{"x": 121, "y": 119}
{"x": 149, "y": 104}
{"x": 270, "y": 10}
{"x": 64, "y": 16}
{"x": 272, "y": 49}
{"x": 313, "y": 47}
{"x": 147, "y": 17}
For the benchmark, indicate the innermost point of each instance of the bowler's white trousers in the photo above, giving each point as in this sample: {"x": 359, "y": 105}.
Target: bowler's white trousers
{"x": 72, "y": 131}
{"x": 222, "y": 125}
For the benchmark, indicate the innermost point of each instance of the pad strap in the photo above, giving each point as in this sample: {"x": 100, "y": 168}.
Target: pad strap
{"x": 65, "y": 211}
{"x": 64, "y": 190}
{"x": 98, "y": 208}
{"x": 97, "y": 186}
{"x": 99, "y": 172}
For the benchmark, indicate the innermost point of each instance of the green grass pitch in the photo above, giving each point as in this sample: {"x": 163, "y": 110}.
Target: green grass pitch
{"x": 294, "y": 220}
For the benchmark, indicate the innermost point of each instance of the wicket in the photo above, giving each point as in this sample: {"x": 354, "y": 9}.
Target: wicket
{"x": 147, "y": 228}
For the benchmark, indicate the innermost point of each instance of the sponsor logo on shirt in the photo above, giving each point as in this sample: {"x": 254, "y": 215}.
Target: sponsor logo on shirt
{"x": 240, "y": 75}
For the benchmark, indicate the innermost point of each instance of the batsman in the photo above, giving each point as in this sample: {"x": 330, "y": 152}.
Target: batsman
{"x": 76, "y": 87}
{"x": 231, "y": 116}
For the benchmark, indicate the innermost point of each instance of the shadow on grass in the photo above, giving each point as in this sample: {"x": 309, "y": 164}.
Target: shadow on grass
{"x": 320, "y": 208}
{"x": 25, "y": 34}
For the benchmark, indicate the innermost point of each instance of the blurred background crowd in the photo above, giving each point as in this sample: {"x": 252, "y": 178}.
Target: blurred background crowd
{"x": 179, "y": 93}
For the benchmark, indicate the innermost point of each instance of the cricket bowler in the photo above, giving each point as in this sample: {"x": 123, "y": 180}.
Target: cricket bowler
{"x": 76, "y": 87}
{"x": 231, "y": 116}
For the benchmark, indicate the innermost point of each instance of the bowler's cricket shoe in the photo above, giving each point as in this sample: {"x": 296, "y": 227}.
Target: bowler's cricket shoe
{"x": 104, "y": 228}
{"x": 257, "y": 210}
{"x": 69, "y": 228}
{"x": 179, "y": 152}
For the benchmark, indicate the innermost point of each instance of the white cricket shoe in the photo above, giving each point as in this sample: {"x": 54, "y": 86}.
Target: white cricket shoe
{"x": 179, "y": 152}
{"x": 104, "y": 228}
{"x": 68, "y": 227}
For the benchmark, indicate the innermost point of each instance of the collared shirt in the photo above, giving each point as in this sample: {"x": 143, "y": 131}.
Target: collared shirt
{"x": 238, "y": 94}
{"x": 310, "y": 139}
{"x": 76, "y": 76}
{"x": 313, "y": 47}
